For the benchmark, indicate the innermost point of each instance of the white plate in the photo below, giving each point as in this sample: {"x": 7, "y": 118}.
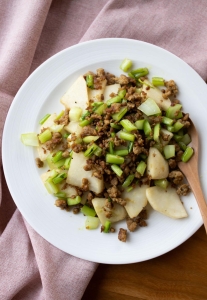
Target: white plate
{"x": 39, "y": 95}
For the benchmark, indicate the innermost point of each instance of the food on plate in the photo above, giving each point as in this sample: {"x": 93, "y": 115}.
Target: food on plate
{"x": 115, "y": 149}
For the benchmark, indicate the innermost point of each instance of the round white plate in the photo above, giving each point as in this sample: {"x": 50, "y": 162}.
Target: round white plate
{"x": 39, "y": 95}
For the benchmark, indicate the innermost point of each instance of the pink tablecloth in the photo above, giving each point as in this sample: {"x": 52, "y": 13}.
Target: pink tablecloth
{"x": 30, "y": 32}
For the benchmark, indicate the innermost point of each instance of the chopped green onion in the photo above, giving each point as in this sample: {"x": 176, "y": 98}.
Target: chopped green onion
{"x": 111, "y": 147}
{"x": 157, "y": 133}
{"x": 61, "y": 195}
{"x": 73, "y": 201}
{"x": 158, "y": 81}
{"x": 121, "y": 152}
{"x": 56, "y": 165}
{"x": 167, "y": 121}
{"x": 66, "y": 135}
{"x": 146, "y": 83}
{"x": 90, "y": 151}
{"x": 89, "y": 81}
{"x": 139, "y": 72}
{"x": 87, "y": 211}
{"x": 92, "y": 222}
{"x": 98, "y": 151}
{"x": 75, "y": 114}
{"x": 116, "y": 99}
{"x": 163, "y": 183}
{"x": 86, "y": 114}
{"x": 90, "y": 138}
{"x": 141, "y": 167}
{"x": 186, "y": 139}
{"x": 113, "y": 134}
{"x": 107, "y": 226}
{"x": 59, "y": 178}
{"x": 177, "y": 137}
{"x": 174, "y": 112}
{"x": 128, "y": 181}
{"x": 85, "y": 122}
{"x": 57, "y": 157}
{"x": 42, "y": 121}
{"x": 30, "y": 139}
{"x": 60, "y": 115}
{"x": 149, "y": 107}
{"x": 115, "y": 126}
{"x": 51, "y": 187}
{"x": 187, "y": 154}
{"x": 45, "y": 136}
{"x": 100, "y": 109}
{"x": 122, "y": 93}
{"x": 117, "y": 170}
{"x": 127, "y": 136}
{"x": 169, "y": 151}
{"x": 129, "y": 189}
{"x": 176, "y": 127}
{"x": 182, "y": 145}
{"x": 139, "y": 124}
{"x": 119, "y": 115}
{"x": 128, "y": 125}
{"x": 147, "y": 128}
{"x": 126, "y": 65}
{"x": 67, "y": 163}
{"x": 114, "y": 159}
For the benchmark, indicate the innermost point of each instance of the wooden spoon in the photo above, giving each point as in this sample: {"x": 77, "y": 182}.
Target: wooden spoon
{"x": 190, "y": 170}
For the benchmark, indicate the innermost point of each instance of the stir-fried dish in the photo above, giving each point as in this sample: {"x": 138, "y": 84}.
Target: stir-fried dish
{"x": 115, "y": 148}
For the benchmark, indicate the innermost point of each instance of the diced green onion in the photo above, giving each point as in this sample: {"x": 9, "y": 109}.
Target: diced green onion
{"x": 167, "y": 121}
{"x": 98, "y": 151}
{"x": 163, "y": 183}
{"x": 84, "y": 115}
{"x": 61, "y": 195}
{"x": 149, "y": 107}
{"x": 90, "y": 151}
{"x": 182, "y": 145}
{"x": 73, "y": 201}
{"x": 100, "y": 109}
{"x": 126, "y": 65}
{"x": 87, "y": 211}
{"x": 59, "y": 178}
{"x": 30, "y": 139}
{"x": 67, "y": 163}
{"x": 146, "y": 83}
{"x": 114, "y": 159}
{"x": 169, "y": 151}
{"x": 128, "y": 181}
{"x": 111, "y": 147}
{"x": 45, "y": 136}
{"x": 177, "y": 137}
{"x": 113, "y": 134}
{"x": 141, "y": 167}
{"x": 121, "y": 152}
{"x": 107, "y": 226}
{"x": 51, "y": 187}
{"x": 92, "y": 222}
{"x": 115, "y": 126}
{"x": 158, "y": 81}
{"x": 59, "y": 115}
{"x": 139, "y": 72}
{"x": 42, "y": 121}
{"x": 122, "y": 93}
{"x": 66, "y": 135}
{"x": 139, "y": 124}
{"x": 130, "y": 147}
{"x": 157, "y": 133}
{"x": 127, "y": 136}
{"x": 57, "y": 157}
{"x": 85, "y": 122}
{"x": 174, "y": 112}
{"x": 116, "y": 99}
{"x": 117, "y": 170}
{"x": 187, "y": 154}
{"x": 129, "y": 189}
{"x": 119, "y": 115}
{"x": 147, "y": 128}
{"x": 75, "y": 114}
{"x": 90, "y": 138}
{"x": 186, "y": 139}
{"x": 176, "y": 127}
{"x": 56, "y": 165}
{"x": 89, "y": 81}
{"x": 128, "y": 125}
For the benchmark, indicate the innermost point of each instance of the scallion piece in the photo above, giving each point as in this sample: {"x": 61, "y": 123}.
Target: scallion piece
{"x": 61, "y": 195}
{"x": 186, "y": 139}
{"x": 174, "y": 112}
{"x": 113, "y": 134}
{"x": 158, "y": 81}
{"x": 73, "y": 201}
{"x": 51, "y": 187}
{"x": 157, "y": 133}
{"x": 139, "y": 124}
{"x": 128, "y": 181}
{"x": 122, "y": 93}
{"x": 111, "y": 147}
{"x": 89, "y": 81}
{"x": 163, "y": 183}
{"x": 116, "y": 99}
{"x": 128, "y": 125}
{"x": 100, "y": 109}
{"x": 126, "y": 65}
{"x": 90, "y": 138}
{"x": 85, "y": 122}
{"x": 115, "y": 126}
{"x": 67, "y": 163}
{"x": 169, "y": 151}
{"x": 147, "y": 128}
{"x": 167, "y": 121}
{"x": 139, "y": 72}
{"x": 84, "y": 115}
{"x": 87, "y": 211}
{"x": 114, "y": 159}
{"x": 117, "y": 170}
{"x": 141, "y": 167}
{"x": 57, "y": 157}
{"x": 121, "y": 152}
{"x": 182, "y": 145}
{"x": 107, "y": 226}
{"x": 59, "y": 178}
{"x": 127, "y": 136}
{"x": 45, "y": 136}
{"x": 188, "y": 153}
{"x": 129, "y": 189}
{"x": 90, "y": 151}
{"x": 42, "y": 121}
{"x": 98, "y": 151}
{"x": 119, "y": 115}
{"x": 130, "y": 147}
{"x": 59, "y": 115}
{"x": 92, "y": 222}
{"x": 30, "y": 139}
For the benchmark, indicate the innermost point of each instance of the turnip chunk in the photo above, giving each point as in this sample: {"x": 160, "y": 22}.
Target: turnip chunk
{"x": 156, "y": 94}
{"x": 95, "y": 95}
{"x": 166, "y": 202}
{"x": 157, "y": 166}
{"x": 77, "y": 95}
{"x": 136, "y": 200}
{"x": 166, "y": 133}
{"x": 76, "y": 173}
{"x": 113, "y": 88}
{"x": 118, "y": 211}
{"x": 74, "y": 127}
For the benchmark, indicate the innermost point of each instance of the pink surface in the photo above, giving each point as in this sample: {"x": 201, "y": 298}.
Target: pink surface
{"x": 32, "y": 31}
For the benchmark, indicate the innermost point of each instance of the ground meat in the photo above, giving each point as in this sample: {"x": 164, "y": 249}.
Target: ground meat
{"x": 110, "y": 78}
{"x": 39, "y": 163}
{"x": 122, "y": 80}
{"x": 65, "y": 154}
{"x": 64, "y": 120}
{"x": 76, "y": 210}
{"x": 114, "y": 108}
{"x": 172, "y": 163}
{"x": 114, "y": 181}
{"x": 131, "y": 224}
{"x": 171, "y": 89}
{"x": 120, "y": 201}
{"x": 56, "y": 140}
{"x": 176, "y": 177}
{"x": 61, "y": 203}
{"x": 88, "y": 130}
{"x": 122, "y": 235}
{"x": 77, "y": 148}
{"x": 183, "y": 190}
{"x": 85, "y": 184}
{"x": 113, "y": 192}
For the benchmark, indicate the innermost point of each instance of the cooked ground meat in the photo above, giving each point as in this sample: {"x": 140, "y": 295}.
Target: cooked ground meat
{"x": 56, "y": 140}
{"x": 64, "y": 120}
{"x": 39, "y": 163}
{"x": 171, "y": 89}
{"x": 131, "y": 224}
{"x": 122, "y": 235}
{"x": 172, "y": 163}
{"x": 85, "y": 184}
{"x": 183, "y": 190}
{"x": 61, "y": 203}
{"x": 176, "y": 177}
{"x": 87, "y": 131}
